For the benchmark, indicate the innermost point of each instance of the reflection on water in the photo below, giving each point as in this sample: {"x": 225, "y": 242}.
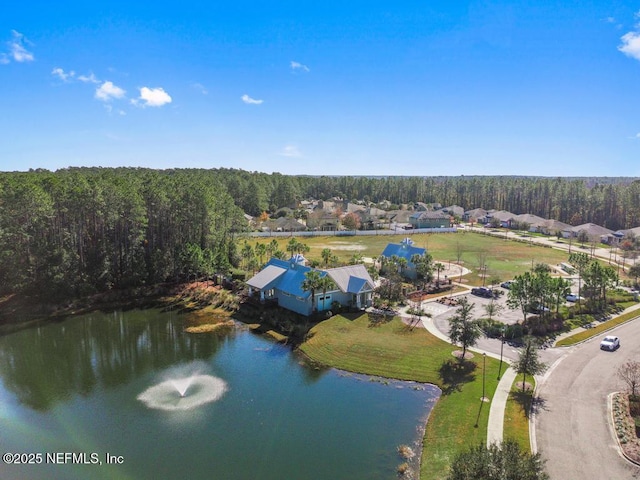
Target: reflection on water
{"x": 48, "y": 364}
{"x": 75, "y": 387}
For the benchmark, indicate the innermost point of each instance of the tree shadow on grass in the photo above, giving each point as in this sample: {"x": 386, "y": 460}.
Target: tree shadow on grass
{"x": 454, "y": 374}
{"x": 528, "y": 403}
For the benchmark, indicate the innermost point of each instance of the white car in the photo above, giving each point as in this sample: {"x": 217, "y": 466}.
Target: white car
{"x": 610, "y": 343}
{"x": 573, "y": 297}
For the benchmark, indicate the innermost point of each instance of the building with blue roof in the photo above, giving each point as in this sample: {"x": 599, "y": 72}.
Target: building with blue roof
{"x": 281, "y": 281}
{"x": 406, "y": 250}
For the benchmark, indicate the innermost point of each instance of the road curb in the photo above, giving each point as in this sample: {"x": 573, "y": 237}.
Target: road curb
{"x": 612, "y": 429}
{"x": 599, "y": 333}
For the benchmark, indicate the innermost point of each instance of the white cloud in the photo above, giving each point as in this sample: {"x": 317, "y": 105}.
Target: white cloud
{"x": 631, "y": 41}
{"x": 201, "y": 88}
{"x": 291, "y": 151}
{"x": 631, "y": 45}
{"x": 152, "y": 97}
{"x": 250, "y": 101}
{"x": 62, "y": 75}
{"x": 108, "y": 91}
{"x": 91, "y": 78}
{"x": 298, "y": 66}
{"x": 17, "y": 49}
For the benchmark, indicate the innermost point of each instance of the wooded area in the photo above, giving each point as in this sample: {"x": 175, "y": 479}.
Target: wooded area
{"x": 613, "y": 203}
{"x": 81, "y": 230}
{"x": 78, "y": 231}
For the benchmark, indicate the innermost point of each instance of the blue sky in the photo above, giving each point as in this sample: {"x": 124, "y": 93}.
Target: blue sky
{"x": 338, "y": 88}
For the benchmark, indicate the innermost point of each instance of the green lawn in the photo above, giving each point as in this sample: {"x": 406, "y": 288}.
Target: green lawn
{"x": 598, "y": 329}
{"x": 391, "y": 349}
{"x": 504, "y": 258}
{"x": 516, "y": 414}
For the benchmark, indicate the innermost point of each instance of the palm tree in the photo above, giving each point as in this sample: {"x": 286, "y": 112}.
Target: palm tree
{"x": 438, "y": 267}
{"x": 325, "y": 284}
{"x": 292, "y": 246}
{"x": 261, "y": 250}
{"x": 272, "y": 248}
{"x": 402, "y": 264}
{"x": 326, "y": 255}
{"x": 356, "y": 259}
{"x": 311, "y": 283}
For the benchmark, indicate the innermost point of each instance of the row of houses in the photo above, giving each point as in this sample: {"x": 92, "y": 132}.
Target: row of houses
{"x": 326, "y": 216}
{"x": 282, "y": 282}
{"x": 534, "y": 223}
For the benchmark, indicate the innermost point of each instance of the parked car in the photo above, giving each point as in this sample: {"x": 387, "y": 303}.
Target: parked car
{"x": 506, "y": 284}
{"x": 610, "y": 343}
{"x": 573, "y": 297}
{"x": 482, "y": 292}
{"x": 537, "y": 308}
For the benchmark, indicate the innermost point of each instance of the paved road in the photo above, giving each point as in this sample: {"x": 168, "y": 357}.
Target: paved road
{"x": 572, "y": 427}
{"x": 441, "y": 314}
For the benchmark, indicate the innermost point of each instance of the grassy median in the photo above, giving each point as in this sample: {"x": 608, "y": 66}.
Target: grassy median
{"x": 392, "y": 349}
{"x": 516, "y": 414}
{"x": 598, "y": 329}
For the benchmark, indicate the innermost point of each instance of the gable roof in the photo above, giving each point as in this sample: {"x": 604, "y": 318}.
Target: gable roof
{"x": 286, "y": 276}
{"x": 476, "y": 213}
{"x": 592, "y": 229}
{"x": 266, "y": 276}
{"x": 557, "y": 226}
{"x": 439, "y": 215}
{"x": 405, "y": 249}
{"x": 351, "y": 279}
{"x": 501, "y": 215}
{"x": 533, "y": 220}
{"x": 454, "y": 210}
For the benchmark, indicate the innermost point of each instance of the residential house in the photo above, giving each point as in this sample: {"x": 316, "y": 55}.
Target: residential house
{"x": 477, "y": 215}
{"x": 430, "y": 220}
{"x": 454, "y": 211}
{"x": 552, "y": 227}
{"x": 505, "y": 218}
{"x": 533, "y": 222}
{"x": 281, "y": 281}
{"x": 406, "y": 250}
{"x": 283, "y": 224}
{"x": 594, "y": 232}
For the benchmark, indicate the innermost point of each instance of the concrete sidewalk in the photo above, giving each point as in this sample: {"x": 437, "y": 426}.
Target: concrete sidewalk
{"x": 498, "y": 406}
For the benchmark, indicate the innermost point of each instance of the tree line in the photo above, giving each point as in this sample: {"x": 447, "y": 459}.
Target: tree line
{"x": 83, "y": 230}
{"x": 80, "y": 230}
{"x": 613, "y": 203}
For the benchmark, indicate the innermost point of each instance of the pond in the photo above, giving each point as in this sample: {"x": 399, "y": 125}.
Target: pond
{"x": 99, "y": 396}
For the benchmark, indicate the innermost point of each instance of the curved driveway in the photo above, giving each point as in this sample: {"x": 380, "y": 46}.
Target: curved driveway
{"x": 573, "y": 431}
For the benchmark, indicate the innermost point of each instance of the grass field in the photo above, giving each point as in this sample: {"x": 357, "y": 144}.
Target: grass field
{"x": 504, "y": 258}
{"x": 516, "y": 414}
{"x": 459, "y": 418}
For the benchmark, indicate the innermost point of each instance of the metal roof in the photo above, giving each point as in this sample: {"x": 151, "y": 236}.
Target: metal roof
{"x": 351, "y": 279}
{"x": 266, "y": 276}
{"x": 404, "y": 251}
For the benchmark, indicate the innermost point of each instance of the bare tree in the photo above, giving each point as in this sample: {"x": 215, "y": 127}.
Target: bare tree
{"x": 629, "y": 373}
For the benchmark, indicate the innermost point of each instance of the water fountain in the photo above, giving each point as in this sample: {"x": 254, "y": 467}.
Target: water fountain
{"x": 184, "y": 393}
